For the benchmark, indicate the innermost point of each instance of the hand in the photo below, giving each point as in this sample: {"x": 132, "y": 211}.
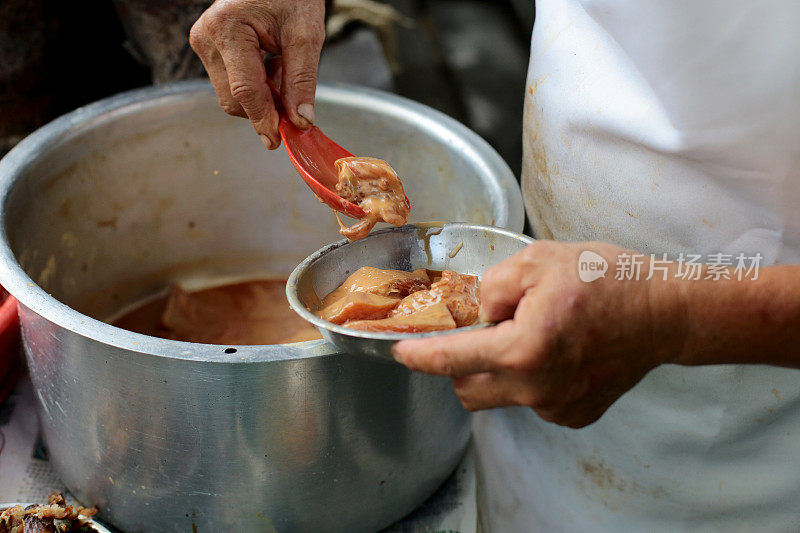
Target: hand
{"x": 566, "y": 348}
{"x": 232, "y": 39}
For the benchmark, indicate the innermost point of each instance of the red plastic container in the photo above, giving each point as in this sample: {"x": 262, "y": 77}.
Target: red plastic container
{"x": 10, "y": 361}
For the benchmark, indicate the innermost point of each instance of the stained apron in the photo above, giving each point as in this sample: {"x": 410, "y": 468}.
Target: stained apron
{"x": 664, "y": 127}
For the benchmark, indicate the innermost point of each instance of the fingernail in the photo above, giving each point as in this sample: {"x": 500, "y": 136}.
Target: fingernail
{"x": 267, "y": 141}
{"x": 307, "y": 112}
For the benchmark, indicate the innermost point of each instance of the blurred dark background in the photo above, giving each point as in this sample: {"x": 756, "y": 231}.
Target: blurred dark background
{"x": 467, "y": 58}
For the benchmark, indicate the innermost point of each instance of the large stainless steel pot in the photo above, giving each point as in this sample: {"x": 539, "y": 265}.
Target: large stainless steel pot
{"x": 110, "y": 203}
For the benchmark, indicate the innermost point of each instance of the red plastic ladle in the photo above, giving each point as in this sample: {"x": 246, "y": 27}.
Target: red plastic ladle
{"x": 313, "y": 154}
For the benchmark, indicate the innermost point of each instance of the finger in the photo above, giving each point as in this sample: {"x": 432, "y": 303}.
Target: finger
{"x": 503, "y": 285}
{"x": 215, "y": 67}
{"x": 300, "y": 50}
{"x": 500, "y": 389}
{"x": 219, "y": 79}
{"x": 248, "y": 85}
{"x": 458, "y": 354}
{"x": 275, "y": 70}
{"x": 484, "y": 391}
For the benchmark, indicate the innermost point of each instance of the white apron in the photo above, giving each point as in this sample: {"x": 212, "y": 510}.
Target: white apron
{"x": 665, "y": 126}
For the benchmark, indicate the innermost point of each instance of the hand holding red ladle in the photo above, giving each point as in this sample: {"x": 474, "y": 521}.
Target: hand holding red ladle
{"x": 233, "y": 39}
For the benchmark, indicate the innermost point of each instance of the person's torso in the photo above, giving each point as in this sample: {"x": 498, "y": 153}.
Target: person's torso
{"x": 664, "y": 127}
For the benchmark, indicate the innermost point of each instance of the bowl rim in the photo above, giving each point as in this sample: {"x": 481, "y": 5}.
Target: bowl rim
{"x": 301, "y": 270}
{"x": 33, "y": 298}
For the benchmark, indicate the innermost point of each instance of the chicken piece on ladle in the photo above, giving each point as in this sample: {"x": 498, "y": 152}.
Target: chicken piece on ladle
{"x": 374, "y": 186}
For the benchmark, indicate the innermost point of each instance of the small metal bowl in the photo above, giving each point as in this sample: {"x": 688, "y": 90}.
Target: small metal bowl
{"x": 464, "y": 248}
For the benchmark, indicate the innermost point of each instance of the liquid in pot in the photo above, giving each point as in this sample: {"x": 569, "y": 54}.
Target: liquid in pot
{"x": 249, "y": 312}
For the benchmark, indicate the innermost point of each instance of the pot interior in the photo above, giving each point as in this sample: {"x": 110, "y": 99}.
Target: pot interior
{"x": 159, "y": 186}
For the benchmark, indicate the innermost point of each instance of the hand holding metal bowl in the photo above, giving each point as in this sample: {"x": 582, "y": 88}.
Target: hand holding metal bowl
{"x": 464, "y": 248}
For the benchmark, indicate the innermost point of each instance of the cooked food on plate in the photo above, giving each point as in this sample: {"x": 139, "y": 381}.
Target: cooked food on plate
{"x": 55, "y": 517}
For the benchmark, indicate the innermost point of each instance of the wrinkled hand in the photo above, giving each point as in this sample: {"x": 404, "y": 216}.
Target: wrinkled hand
{"x": 233, "y": 38}
{"x": 566, "y": 348}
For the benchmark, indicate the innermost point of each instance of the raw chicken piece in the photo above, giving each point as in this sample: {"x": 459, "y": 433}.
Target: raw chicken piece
{"x": 360, "y": 229}
{"x": 374, "y": 186}
{"x": 459, "y": 292}
{"x": 403, "y": 302}
{"x": 358, "y": 306}
{"x": 370, "y": 293}
{"x": 392, "y": 283}
{"x": 435, "y": 317}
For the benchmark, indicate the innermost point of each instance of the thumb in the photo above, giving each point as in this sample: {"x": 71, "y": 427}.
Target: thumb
{"x": 456, "y": 354}
{"x": 299, "y": 84}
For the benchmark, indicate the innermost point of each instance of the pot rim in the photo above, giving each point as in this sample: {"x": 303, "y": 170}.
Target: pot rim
{"x": 32, "y": 297}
